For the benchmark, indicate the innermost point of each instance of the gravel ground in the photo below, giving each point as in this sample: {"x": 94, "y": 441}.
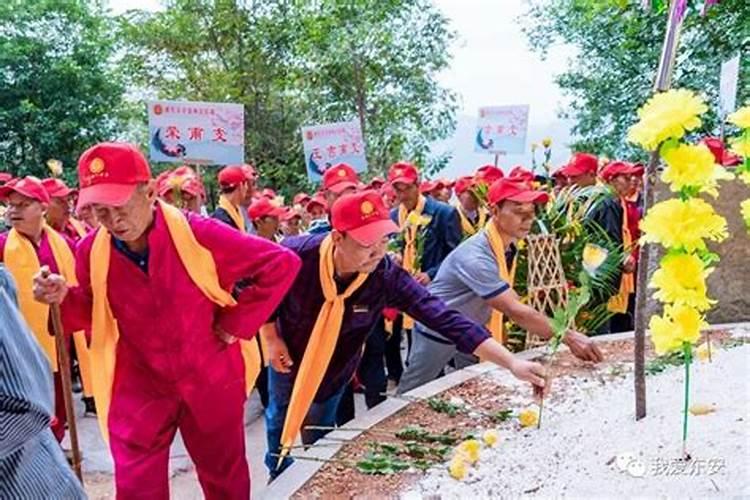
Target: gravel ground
{"x": 591, "y": 446}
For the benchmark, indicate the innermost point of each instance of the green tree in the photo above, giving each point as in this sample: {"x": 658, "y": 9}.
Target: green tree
{"x": 618, "y": 46}
{"x": 297, "y": 63}
{"x": 58, "y": 90}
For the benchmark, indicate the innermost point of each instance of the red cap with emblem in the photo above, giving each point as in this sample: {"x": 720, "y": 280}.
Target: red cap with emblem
{"x": 463, "y": 184}
{"x": 620, "y": 168}
{"x": 30, "y": 186}
{"x": 57, "y": 188}
{"x": 316, "y": 200}
{"x": 230, "y": 176}
{"x": 403, "y": 172}
{"x": 109, "y": 172}
{"x": 581, "y": 164}
{"x": 262, "y": 207}
{"x": 488, "y": 174}
{"x": 521, "y": 174}
{"x": 363, "y": 216}
{"x": 339, "y": 178}
{"x": 514, "y": 190}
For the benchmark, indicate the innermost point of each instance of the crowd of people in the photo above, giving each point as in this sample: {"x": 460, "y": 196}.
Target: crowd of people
{"x": 174, "y": 316}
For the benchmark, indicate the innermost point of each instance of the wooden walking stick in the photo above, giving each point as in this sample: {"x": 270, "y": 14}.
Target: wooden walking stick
{"x": 63, "y": 365}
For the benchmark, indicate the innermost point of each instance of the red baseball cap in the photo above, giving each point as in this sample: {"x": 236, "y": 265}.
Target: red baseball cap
{"x": 445, "y": 183}
{"x": 183, "y": 178}
{"x": 376, "y": 183}
{"x": 581, "y": 164}
{"x": 719, "y": 150}
{"x": 268, "y": 193}
{"x": 5, "y": 177}
{"x": 340, "y": 177}
{"x": 301, "y": 199}
{"x": 262, "y": 207}
{"x": 363, "y": 216}
{"x": 514, "y": 190}
{"x": 427, "y": 186}
{"x": 230, "y": 176}
{"x": 488, "y": 174}
{"x": 57, "y": 188}
{"x": 464, "y": 183}
{"x": 403, "y": 172}
{"x": 290, "y": 213}
{"x": 619, "y": 168}
{"x": 521, "y": 174}
{"x": 250, "y": 172}
{"x": 316, "y": 200}
{"x": 29, "y": 186}
{"x": 109, "y": 172}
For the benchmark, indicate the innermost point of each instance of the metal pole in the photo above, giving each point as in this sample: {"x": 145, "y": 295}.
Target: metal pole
{"x": 661, "y": 84}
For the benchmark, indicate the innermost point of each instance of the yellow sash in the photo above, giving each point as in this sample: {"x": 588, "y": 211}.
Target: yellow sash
{"x": 319, "y": 348}
{"x": 410, "y": 247}
{"x": 200, "y": 266}
{"x": 78, "y": 226}
{"x": 466, "y": 225}
{"x": 619, "y": 303}
{"x": 23, "y": 263}
{"x": 234, "y": 212}
{"x": 495, "y": 326}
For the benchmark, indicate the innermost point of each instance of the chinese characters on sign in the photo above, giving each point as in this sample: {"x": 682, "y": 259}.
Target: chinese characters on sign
{"x": 502, "y": 130}
{"x": 196, "y": 132}
{"x": 332, "y": 143}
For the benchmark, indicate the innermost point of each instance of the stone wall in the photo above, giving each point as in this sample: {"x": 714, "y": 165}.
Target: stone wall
{"x": 729, "y": 284}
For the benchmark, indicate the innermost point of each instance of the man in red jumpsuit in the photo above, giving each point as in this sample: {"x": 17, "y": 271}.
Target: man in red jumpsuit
{"x": 177, "y": 366}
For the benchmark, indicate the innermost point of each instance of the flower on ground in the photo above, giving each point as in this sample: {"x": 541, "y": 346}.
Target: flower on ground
{"x": 690, "y": 165}
{"x": 702, "y": 350}
{"x": 686, "y": 224}
{"x": 667, "y": 115}
{"x": 457, "y": 468}
{"x": 677, "y": 325}
{"x": 490, "y": 437}
{"x": 745, "y": 210}
{"x": 741, "y": 117}
{"x": 528, "y": 418}
{"x": 681, "y": 279}
{"x": 469, "y": 450}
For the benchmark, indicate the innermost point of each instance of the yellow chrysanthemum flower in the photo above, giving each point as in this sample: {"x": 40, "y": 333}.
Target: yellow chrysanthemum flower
{"x": 528, "y": 418}
{"x": 681, "y": 279}
{"x": 469, "y": 450}
{"x": 667, "y": 115}
{"x": 741, "y": 145}
{"x": 678, "y": 324}
{"x": 675, "y": 223}
{"x": 741, "y": 117}
{"x": 593, "y": 257}
{"x": 457, "y": 468}
{"x": 691, "y": 165}
{"x": 745, "y": 210}
{"x": 490, "y": 437}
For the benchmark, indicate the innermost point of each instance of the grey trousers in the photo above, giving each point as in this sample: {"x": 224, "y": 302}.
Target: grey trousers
{"x": 430, "y": 352}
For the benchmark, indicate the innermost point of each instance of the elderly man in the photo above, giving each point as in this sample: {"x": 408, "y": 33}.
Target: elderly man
{"x": 155, "y": 289}
{"x": 338, "y": 180}
{"x": 477, "y": 281}
{"x": 30, "y": 244}
{"x": 320, "y": 329}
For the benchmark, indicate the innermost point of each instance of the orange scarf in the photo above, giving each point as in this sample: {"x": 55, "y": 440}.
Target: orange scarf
{"x": 234, "y": 212}
{"x": 77, "y": 226}
{"x": 200, "y": 266}
{"x": 619, "y": 303}
{"x": 21, "y": 259}
{"x": 466, "y": 225}
{"x": 495, "y": 325}
{"x": 319, "y": 348}
{"x": 410, "y": 240}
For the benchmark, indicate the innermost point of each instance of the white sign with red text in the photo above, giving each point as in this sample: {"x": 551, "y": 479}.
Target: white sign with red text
{"x": 332, "y": 143}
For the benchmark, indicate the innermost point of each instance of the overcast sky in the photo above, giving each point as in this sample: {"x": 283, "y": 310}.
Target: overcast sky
{"x": 492, "y": 65}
